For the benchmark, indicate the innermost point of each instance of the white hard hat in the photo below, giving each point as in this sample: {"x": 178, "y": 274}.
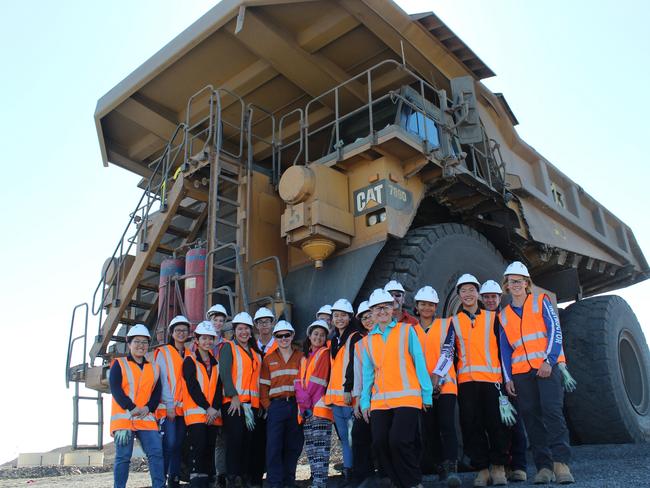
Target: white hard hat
{"x": 216, "y": 309}
{"x": 205, "y": 328}
{"x": 283, "y": 325}
{"x": 326, "y": 309}
{"x": 363, "y": 308}
{"x": 263, "y": 313}
{"x": 242, "y": 318}
{"x": 427, "y": 294}
{"x": 490, "y": 286}
{"x": 139, "y": 330}
{"x": 516, "y": 268}
{"x": 467, "y": 278}
{"x": 318, "y": 323}
{"x": 394, "y": 285}
{"x": 179, "y": 319}
{"x": 379, "y": 296}
{"x": 343, "y": 305}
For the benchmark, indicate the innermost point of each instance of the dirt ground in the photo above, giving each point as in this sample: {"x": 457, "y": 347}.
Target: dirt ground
{"x": 611, "y": 466}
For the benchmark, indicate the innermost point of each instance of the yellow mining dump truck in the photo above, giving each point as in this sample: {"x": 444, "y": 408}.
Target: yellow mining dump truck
{"x": 295, "y": 152}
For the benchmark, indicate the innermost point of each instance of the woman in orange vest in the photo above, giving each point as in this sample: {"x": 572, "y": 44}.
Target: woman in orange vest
{"x": 315, "y": 416}
{"x": 169, "y": 359}
{"x": 396, "y": 386}
{"x": 485, "y": 437}
{"x": 531, "y": 346}
{"x": 201, "y": 405}
{"x": 240, "y": 363}
{"x": 339, "y": 390}
{"x": 364, "y": 464}
{"x": 135, "y": 386}
{"x": 439, "y": 443}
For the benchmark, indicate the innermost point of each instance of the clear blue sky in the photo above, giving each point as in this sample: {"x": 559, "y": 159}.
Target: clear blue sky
{"x": 575, "y": 75}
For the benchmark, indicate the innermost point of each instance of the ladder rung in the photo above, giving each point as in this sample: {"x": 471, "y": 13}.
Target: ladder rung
{"x": 225, "y": 268}
{"x": 153, "y": 267}
{"x": 88, "y": 423}
{"x": 177, "y": 231}
{"x": 227, "y": 222}
{"x": 220, "y": 291}
{"x": 188, "y": 212}
{"x": 140, "y": 304}
{"x": 87, "y": 398}
{"x": 163, "y": 249}
{"x": 143, "y": 285}
{"x": 230, "y": 179}
{"x": 229, "y": 201}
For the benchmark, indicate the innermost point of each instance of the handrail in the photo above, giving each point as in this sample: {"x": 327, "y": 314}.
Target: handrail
{"x": 71, "y": 341}
{"x": 154, "y": 191}
{"x": 278, "y": 270}
{"x": 300, "y": 137}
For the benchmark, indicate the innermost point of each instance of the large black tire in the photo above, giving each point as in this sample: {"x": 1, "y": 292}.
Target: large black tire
{"x": 608, "y": 356}
{"x": 434, "y": 255}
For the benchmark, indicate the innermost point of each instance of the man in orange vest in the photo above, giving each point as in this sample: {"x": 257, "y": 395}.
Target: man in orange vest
{"x": 485, "y": 437}
{"x": 491, "y": 297}
{"x": 396, "y": 386}
{"x": 135, "y": 386}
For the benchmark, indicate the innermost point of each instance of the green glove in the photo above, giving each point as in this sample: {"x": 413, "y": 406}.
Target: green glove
{"x": 568, "y": 382}
{"x": 250, "y": 416}
{"x": 122, "y": 437}
{"x": 507, "y": 411}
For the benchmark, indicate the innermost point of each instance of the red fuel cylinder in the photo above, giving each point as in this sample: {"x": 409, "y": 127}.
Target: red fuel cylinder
{"x": 168, "y": 307}
{"x": 195, "y": 285}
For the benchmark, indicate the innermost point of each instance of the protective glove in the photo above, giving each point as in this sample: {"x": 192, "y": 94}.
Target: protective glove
{"x": 250, "y": 416}
{"x": 568, "y": 382}
{"x": 507, "y": 411}
{"x": 122, "y": 437}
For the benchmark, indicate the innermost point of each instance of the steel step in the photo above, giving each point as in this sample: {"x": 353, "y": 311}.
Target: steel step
{"x": 143, "y": 285}
{"x": 177, "y": 231}
{"x": 227, "y": 222}
{"x": 164, "y": 249}
{"x": 188, "y": 212}
{"x": 140, "y": 304}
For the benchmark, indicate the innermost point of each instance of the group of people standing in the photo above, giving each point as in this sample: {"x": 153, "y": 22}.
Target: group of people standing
{"x": 387, "y": 382}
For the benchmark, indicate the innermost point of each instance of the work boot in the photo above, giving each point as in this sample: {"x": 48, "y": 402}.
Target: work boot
{"x": 563, "y": 474}
{"x": 347, "y": 478}
{"x": 451, "y": 470}
{"x": 517, "y": 475}
{"x": 221, "y": 481}
{"x": 498, "y": 475}
{"x": 482, "y": 478}
{"x": 544, "y": 476}
{"x": 200, "y": 481}
{"x": 173, "y": 482}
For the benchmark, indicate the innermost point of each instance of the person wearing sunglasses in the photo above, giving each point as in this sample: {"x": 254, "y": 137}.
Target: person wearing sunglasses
{"x": 396, "y": 387}
{"x": 531, "y": 347}
{"x": 284, "y": 435}
{"x": 201, "y": 405}
{"x": 240, "y": 363}
{"x": 339, "y": 389}
{"x": 439, "y": 439}
{"x": 314, "y": 415}
{"x": 169, "y": 359}
{"x": 398, "y": 293}
{"x": 136, "y": 390}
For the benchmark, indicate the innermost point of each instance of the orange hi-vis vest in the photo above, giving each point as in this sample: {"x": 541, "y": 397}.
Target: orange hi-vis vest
{"x": 433, "y": 343}
{"x": 271, "y": 348}
{"x": 477, "y": 348}
{"x": 138, "y": 384}
{"x": 527, "y": 334}
{"x": 306, "y": 375}
{"x": 193, "y": 413}
{"x": 245, "y": 374}
{"x": 335, "y": 393}
{"x": 396, "y": 383}
{"x": 174, "y": 364}
{"x": 421, "y": 333}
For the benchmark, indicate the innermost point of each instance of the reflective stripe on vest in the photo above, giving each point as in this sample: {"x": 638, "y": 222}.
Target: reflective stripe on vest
{"x": 306, "y": 375}
{"x": 489, "y": 369}
{"x": 139, "y": 390}
{"x": 388, "y": 391}
{"x": 335, "y": 392}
